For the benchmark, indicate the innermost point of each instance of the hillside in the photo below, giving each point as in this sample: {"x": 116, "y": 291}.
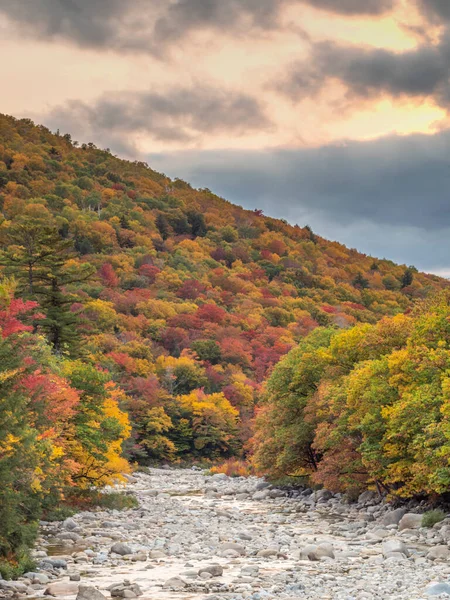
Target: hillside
{"x": 140, "y": 319}
{"x": 187, "y": 301}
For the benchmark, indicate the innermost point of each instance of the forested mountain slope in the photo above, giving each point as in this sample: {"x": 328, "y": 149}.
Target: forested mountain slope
{"x": 181, "y": 298}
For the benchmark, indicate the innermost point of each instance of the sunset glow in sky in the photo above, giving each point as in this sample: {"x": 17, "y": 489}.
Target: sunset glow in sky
{"x": 327, "y": 112}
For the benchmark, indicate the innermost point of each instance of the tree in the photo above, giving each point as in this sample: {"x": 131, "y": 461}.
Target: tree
{"x": 407, "y": 278}
{"x": 197, "y": 223}
{"x": 32, "y": 246}
{"x": 361, "y": 282}
{"x": 162, "y": 225}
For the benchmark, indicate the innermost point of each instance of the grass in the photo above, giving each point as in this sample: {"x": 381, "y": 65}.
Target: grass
{"x": 432, "y": 517}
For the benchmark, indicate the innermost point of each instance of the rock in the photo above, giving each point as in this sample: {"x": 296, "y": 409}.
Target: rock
{"x": 393, "y": 547}
{"x": 57, "y": 563}
{"x": 262, "y": 495}
{"x": 70, "y": 524}
{"x": 63, "y": 589}
{"x": 89, "y": 592}
{"x": 440, "y": 552}
{"x": 219, "y": 477}
{"x": 323, "y": 495}
{"x": 121, "y": 548}
{"x": 393, "y": 517}
{"x": 213, "y": 570}
{"x": 368, "y": 496}
{"x": 156, "y": 554}
{"x": 410, "y": 521}
{"x": 436, "y": 589}
{"x": 130, "y": 478}
{"x": 73, "y": 576}
{"x": 69, "y": 535}
{"x": 125, "y": 590}
{"x": 232, "y": 546}
{"x": 175, "y": 583}
{"x": 316, "y": 552}
{"x": 267, "y": 553}
{"x": 37, "y": 577}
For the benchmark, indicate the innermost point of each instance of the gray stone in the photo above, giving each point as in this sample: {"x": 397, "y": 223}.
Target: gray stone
{"x": 213, "y": 570}
{"x": 394, "y": 546}
{"x": 61, "y": 588}
{"x": 262, "y": 495}
{"x": 410, "y": 521}
{"x": 70, "y": 524}
{"x": 440, "y": 552}
{"x": 267, "y": 552}
{"x": 121, "y": 548}
{"x": 367, "y": 497}
{"x": 89, "y": 592}
{"x": 175, "y": 583}
{"x": 232, "y": 546}
{"x": 57, "y": 563}
{"x": 393, "y": 517}
{"x": 436, "y": 589}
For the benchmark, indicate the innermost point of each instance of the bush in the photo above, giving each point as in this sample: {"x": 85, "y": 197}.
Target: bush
{"x": 432, "y": 517}
{"x": 14, "y": 569}
{"x": 233, "y": 468}
{"x": 87, "y": 499}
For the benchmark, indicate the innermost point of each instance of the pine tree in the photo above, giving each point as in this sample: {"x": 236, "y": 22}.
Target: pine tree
{"x": 37, "y": 258}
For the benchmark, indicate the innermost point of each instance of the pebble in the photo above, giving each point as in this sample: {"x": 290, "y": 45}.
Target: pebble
{"x": 239, "y": 539}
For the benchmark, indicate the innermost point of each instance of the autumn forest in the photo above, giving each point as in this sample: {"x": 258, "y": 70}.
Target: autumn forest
{"x": 144, "y": 321}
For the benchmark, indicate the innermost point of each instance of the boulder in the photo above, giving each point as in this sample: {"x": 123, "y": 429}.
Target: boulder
{"x": 368, "y": 497}
{"x": 267, "y": 553}
{"x": 125, "y": 590}
{"x": 213, "y": 570}
{"x": 61, "y": 588}
{"x": 232, "y": 546}
{"x": 394, "y": 547}
{"x": 440, "y": 552}
{"x": 175, "y": 583}
{"x": 436, "y": 589}
{"x": 70, "y": 524}
{"x": 410, "y": 521}
{"x": 89, "y": 592}
{"x": 121, "y": 548}
{"x": 393, "y": 517}
{"x": 323, "y": 495}
{"x": 316, "y": 552}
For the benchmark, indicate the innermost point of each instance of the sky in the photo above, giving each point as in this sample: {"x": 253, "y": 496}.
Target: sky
{"x": 331, "y": 113}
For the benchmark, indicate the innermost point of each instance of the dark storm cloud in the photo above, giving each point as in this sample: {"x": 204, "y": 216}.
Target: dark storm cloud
{"x": 437, "y": 10}
{"x": 177, "y": 115}
{"x": 388, "y": 197}
{"x": 367, "y": 73}
{"x": 396, "y": 180}
{"x": 143, "y": 25}
{"x": 353, "y": 7}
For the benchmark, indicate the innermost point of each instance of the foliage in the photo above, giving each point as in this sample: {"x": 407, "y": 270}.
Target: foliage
{"x": 367, "y": 408}
{"x": 233, "y": 468}
{"x": 432, "y": 517}
{"x": 141, "y": 317}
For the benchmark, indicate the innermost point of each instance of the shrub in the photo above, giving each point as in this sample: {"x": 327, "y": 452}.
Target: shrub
{"x": 432, "y": 517}
{"x": 233, "y": 468}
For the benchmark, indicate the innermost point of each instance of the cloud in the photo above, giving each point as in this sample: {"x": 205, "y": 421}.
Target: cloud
{"x": 180, "y": 115}
{"x": 388, "y": 197}
{"x": 146, "y": 26}
{"x": 353, "y": 7}
{"x": 370, "y": 73}
{"x": 436, "y": 10}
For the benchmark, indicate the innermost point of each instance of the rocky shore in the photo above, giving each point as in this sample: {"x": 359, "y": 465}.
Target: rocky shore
{"x": 194, "y": 536}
